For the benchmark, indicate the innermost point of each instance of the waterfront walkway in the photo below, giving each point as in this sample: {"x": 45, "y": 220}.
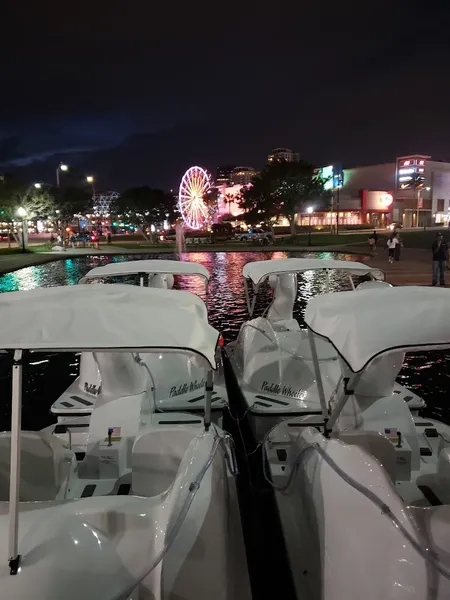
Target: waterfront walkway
{"x": 414, "y": 267}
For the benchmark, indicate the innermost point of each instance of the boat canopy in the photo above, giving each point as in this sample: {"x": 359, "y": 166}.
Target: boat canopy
{"x": 107, "y": 318}
{"x": 135, "y": 267}
{"x": 365, "y": 325}
{"x": 259, "y": 270}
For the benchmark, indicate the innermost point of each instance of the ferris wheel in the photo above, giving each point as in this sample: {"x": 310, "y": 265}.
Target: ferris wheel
{"x": 194, "y": 185}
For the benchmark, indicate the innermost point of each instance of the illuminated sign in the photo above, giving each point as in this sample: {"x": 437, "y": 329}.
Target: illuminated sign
{"x": 333, "y": 176}
{"x": 386, "y": 200}
{"x": 410, "y": 172}
{"x": 379, "y": 201}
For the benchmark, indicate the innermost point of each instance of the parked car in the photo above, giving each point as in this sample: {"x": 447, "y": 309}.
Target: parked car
{"x": 221, "y": 232}
{"x": 395, "y": 226}
{"x": 257, "y": 236}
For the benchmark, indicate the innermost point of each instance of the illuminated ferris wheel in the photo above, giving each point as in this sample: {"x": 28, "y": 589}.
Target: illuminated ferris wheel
{"x": 193, "y": 187}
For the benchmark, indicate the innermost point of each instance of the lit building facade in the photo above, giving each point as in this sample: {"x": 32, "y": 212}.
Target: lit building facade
{"x": 411, "y": 190}
{"x": 279, "y": 154}
{"x": 243, "y": 175}
{"x": 224, "y": 174}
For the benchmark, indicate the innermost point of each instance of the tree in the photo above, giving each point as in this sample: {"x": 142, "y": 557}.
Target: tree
{"x": 37, "y": 203}
{"x": 145, "y": 206}
{"x": 211, "y": 200}
{"x": 283, "y": 189}
{"x": 69, "y": 202}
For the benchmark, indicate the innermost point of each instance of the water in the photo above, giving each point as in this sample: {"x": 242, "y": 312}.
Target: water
{"x": 48, "y": 376}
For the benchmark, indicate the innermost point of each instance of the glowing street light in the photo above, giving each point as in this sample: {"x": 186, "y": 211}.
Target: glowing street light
{"x": 60, "y": 167}
{"x": 38, "y": 186}
{"x": 310, "y": 211}
{"x": 22, "y": 214}
{"x": 90, "y": 179}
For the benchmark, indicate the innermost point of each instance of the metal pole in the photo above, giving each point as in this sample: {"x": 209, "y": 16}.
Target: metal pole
{"x": 208, "y": 397}
{"x": 417, "y": 214}
{"x": 57, "y": 176}
{"x": 318, "y": 376}
{"x": 14, "y": 474}
{"x": 309, "y": 232}
{"x": 347, "y": 393}
{"x": 23, "y": 235}
{"x": 337, "y": 212}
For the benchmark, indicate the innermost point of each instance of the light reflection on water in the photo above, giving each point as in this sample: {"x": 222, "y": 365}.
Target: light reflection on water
{"x": 227, "y": 311}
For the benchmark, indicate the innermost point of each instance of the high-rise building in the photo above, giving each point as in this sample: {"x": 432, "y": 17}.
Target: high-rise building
{"x": 243, "y": 175}
{"x": 224, "y": 174}
{"x": 286, "y": 154}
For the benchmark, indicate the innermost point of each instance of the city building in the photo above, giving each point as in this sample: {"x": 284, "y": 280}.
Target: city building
{"x": 243, "y": 175}
{"x": 283, "y": 154}
{"x": 412, "y": 190}
{"x": 224, "y": 174}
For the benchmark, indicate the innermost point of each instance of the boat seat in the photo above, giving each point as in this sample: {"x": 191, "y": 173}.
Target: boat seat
{"x": 376, "y": 444}
{"x": 45, "y": 467}
{"x": 157, "y": 454}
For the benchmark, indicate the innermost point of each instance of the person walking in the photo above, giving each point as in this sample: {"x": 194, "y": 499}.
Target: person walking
{"x": 398, "y": 248}
{"x": 392, "y": 244}
{"x": 373, "y": 240}
{"x": 440, "y": 258}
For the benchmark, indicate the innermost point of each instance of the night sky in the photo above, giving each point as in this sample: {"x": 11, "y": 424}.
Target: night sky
{"x": 136, "y": 92}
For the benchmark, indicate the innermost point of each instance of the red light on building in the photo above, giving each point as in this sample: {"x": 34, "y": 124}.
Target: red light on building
{"x": 421, "y": 162}
{"x": 406, "y": 163}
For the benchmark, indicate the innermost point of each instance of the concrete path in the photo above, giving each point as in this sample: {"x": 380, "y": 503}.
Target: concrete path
{"x": 413, "y": 268}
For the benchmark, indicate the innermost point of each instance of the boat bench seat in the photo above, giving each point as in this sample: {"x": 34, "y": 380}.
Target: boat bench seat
{"x": 376, "y": 444}
{"x": 45, "y": 467}
{"x": 156, "y": 457}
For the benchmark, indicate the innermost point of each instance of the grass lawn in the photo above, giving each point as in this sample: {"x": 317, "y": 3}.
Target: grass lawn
{"x": 31, "y": 249}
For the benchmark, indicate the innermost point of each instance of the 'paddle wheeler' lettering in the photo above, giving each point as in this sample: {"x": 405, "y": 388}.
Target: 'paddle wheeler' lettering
{"x": 282, "y": 390}
{"x": 185, "y": 388}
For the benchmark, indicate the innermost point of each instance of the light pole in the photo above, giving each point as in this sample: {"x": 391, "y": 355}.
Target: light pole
{"x": 60, "y": 167}
{"x": 90, "y": 179}
{"x": 310, "y": 211}
{"x": 419, "y": 191}
{"x": 22, "y": 214}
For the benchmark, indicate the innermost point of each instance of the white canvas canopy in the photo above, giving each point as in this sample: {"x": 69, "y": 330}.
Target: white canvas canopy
{"x": 106, "y": 318}
{"x": 364, "y": 325}
{"x": 259, "y": 270}
{"x": 134, "y": 267}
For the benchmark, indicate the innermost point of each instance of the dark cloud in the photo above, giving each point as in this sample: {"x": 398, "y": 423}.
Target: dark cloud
{"x": 224, "y": 82}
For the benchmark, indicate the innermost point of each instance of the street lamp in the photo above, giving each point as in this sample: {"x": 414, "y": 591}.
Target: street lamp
{"x": 22, "y": 214}
{"x": 310, "y": 211}
{"x": 90, "y": 179}
{"x": 419, "y": 191}
{"x": 38, "y": 186}
{"x": 60, "y": 167}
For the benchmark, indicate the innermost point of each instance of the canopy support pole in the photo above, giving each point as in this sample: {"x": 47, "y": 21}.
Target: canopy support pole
{"x": 327, "y": 285}
{"x": 141, "y": 279}
{"x": 209, "y": 386}
{"x": 347, "y": 393}
{"x": 352, "y": 283}
{"x": 318, "y": 375}
{"x": 250, "y": 305}
{"x": 14, "y": 474}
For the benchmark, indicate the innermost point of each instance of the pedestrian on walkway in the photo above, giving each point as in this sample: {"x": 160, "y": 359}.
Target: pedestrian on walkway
{"x": 440, "y": 258}
{"x": 398, "y": 247}
{"x": 392, "y": 244}
{"x": 373, "y": 240}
